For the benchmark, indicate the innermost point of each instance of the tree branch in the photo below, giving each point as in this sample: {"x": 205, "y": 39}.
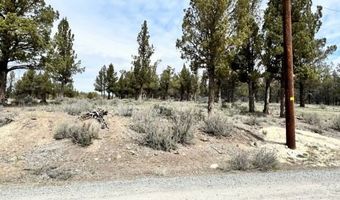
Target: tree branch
{"x": 21, "y": 67}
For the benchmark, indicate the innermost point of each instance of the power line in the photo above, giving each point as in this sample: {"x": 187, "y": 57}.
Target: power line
{"x": 331, "y": 9}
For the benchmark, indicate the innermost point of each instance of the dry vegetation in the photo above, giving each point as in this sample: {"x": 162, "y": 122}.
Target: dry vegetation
{"x": 50, "y": 142}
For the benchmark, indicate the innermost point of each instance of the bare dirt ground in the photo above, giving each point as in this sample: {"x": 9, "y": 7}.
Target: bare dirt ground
{"x": 29, "y": 154}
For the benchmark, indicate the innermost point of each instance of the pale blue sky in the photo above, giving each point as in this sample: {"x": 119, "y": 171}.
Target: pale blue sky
{"x": 106, "y": 30}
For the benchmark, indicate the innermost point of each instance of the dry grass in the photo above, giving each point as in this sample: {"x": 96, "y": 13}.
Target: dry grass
{"x": 77, "y": 107}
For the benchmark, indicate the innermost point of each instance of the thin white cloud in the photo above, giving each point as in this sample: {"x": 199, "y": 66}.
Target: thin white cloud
{"x": 106, "y": 31}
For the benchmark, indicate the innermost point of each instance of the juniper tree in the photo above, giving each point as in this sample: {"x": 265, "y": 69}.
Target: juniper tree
{"x": 206, "y": 29}
{"x": 142, "y": 67}
{"x": 11, "y": 81}
{"x": 273, "y": 51}
{"x": 25, "y": 27}
{"x": 111, "y": 79}
{"x": 100, "y": 84}
{"x": 248, "y": 53}
{"x": 62, "y": 58}
{"x": 165, "y": 82}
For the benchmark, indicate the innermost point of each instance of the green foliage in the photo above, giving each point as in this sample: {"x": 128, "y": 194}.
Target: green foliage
{"x": 111, "y": 77}
{"x": 101, "y": 81}
{"x": 11, "y": 80}
{"x": 62, "y": 59}
{"x": 143, "y": 71}
{"x": 25, "y": 27}
{"x": 34, "y": 85}
{"x": 206, "y": 26}
{"x": 165, "y": 82}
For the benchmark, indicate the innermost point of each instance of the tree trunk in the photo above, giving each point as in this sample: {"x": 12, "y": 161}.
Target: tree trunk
{"x": 302, "y": 94}
{"x": 140, "y": 95}
{"x": 3, "y": 80}
{"x": 267, "y": 97}
{"x": 251, "y": 96}
{"x": 232, "y": 92}
{"x": 62, "y": 90}
{"x": 219, "y": 96}
{"x": 211, "y": 96}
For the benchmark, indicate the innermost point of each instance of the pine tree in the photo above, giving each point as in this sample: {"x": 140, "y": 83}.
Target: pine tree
{"x": 63, "y": 62}
{"x": 11, "y": 81}
{"x": 206, "y": 26}
{"x": 165, "y": 82}
{"x": 34, "y": 85}
{"x": 26, "y": 85}
{"x": 244, "y": 62}
{"x": 273, "y": 50}
{"x": 100, "y": 84}
{"x": 143, "y": 68}
{"x": 204, "y": 85}
{"x": 185, "y": 81}
{"x": 111, "y": 78}
{"x": 32, "y": 21}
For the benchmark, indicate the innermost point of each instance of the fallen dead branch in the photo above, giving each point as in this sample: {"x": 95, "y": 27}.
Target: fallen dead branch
{"x": 97, "y": 115}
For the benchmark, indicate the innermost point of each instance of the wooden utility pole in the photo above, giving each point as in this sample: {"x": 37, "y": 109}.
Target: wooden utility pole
{"x": 289, "y": 73}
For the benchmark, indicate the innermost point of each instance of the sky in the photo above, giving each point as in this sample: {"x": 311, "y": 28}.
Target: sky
{"x": 106, "y": 31}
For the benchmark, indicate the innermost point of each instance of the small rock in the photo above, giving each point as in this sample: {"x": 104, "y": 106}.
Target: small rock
{"x": 214, "y": 166}
{"x": 96, "y": 159}
{"x": 132, "y": 153}
{"x": 118, "y": 157}
{"x": 176, "y": 152}
{"x": 204, "y": 139}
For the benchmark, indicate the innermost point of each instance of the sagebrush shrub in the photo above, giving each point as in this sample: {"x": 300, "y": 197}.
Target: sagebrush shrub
{"x": 183, "y": 121}
{"x": 312, "y": 118}
{"x": 265, "y": 160}
{"x": 142, "y": 119}
{"x": 262, "y": 159}
{"x": 336, "y": 123}
{"x": 164, "y": 132}
{"x": 159, "y": 136}
{"x": 79, "y": 134}
{"x": 241, "y": 161}
{"x": 125, "y": 111}
{"x": 217, "y": 125}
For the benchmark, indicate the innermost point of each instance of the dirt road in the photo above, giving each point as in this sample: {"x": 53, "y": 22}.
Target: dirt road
{"x": 311, "y": 184}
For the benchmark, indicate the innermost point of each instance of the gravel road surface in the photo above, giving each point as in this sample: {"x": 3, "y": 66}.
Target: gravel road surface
{"x": 309, "y": 184}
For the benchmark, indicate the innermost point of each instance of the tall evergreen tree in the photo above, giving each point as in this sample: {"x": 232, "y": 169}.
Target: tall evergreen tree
{"x": 165, "y": 82}
{"x": 185, "y": 81}
{"x": 11, "y": 81}
{"x": 273, "y": 51}
{"x": 244, "y": 62}
{"x": 25, "y": 27}
{"x": 143, "y": 68}
{"x": 100, "y": 84}
{"x": 63, "y": 62}
{"x": 206, "y": 27}
{"x": 111, "y": 78}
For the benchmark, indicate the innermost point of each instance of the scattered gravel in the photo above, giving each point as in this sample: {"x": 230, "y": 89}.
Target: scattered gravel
{"x": 309, "y": 184}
